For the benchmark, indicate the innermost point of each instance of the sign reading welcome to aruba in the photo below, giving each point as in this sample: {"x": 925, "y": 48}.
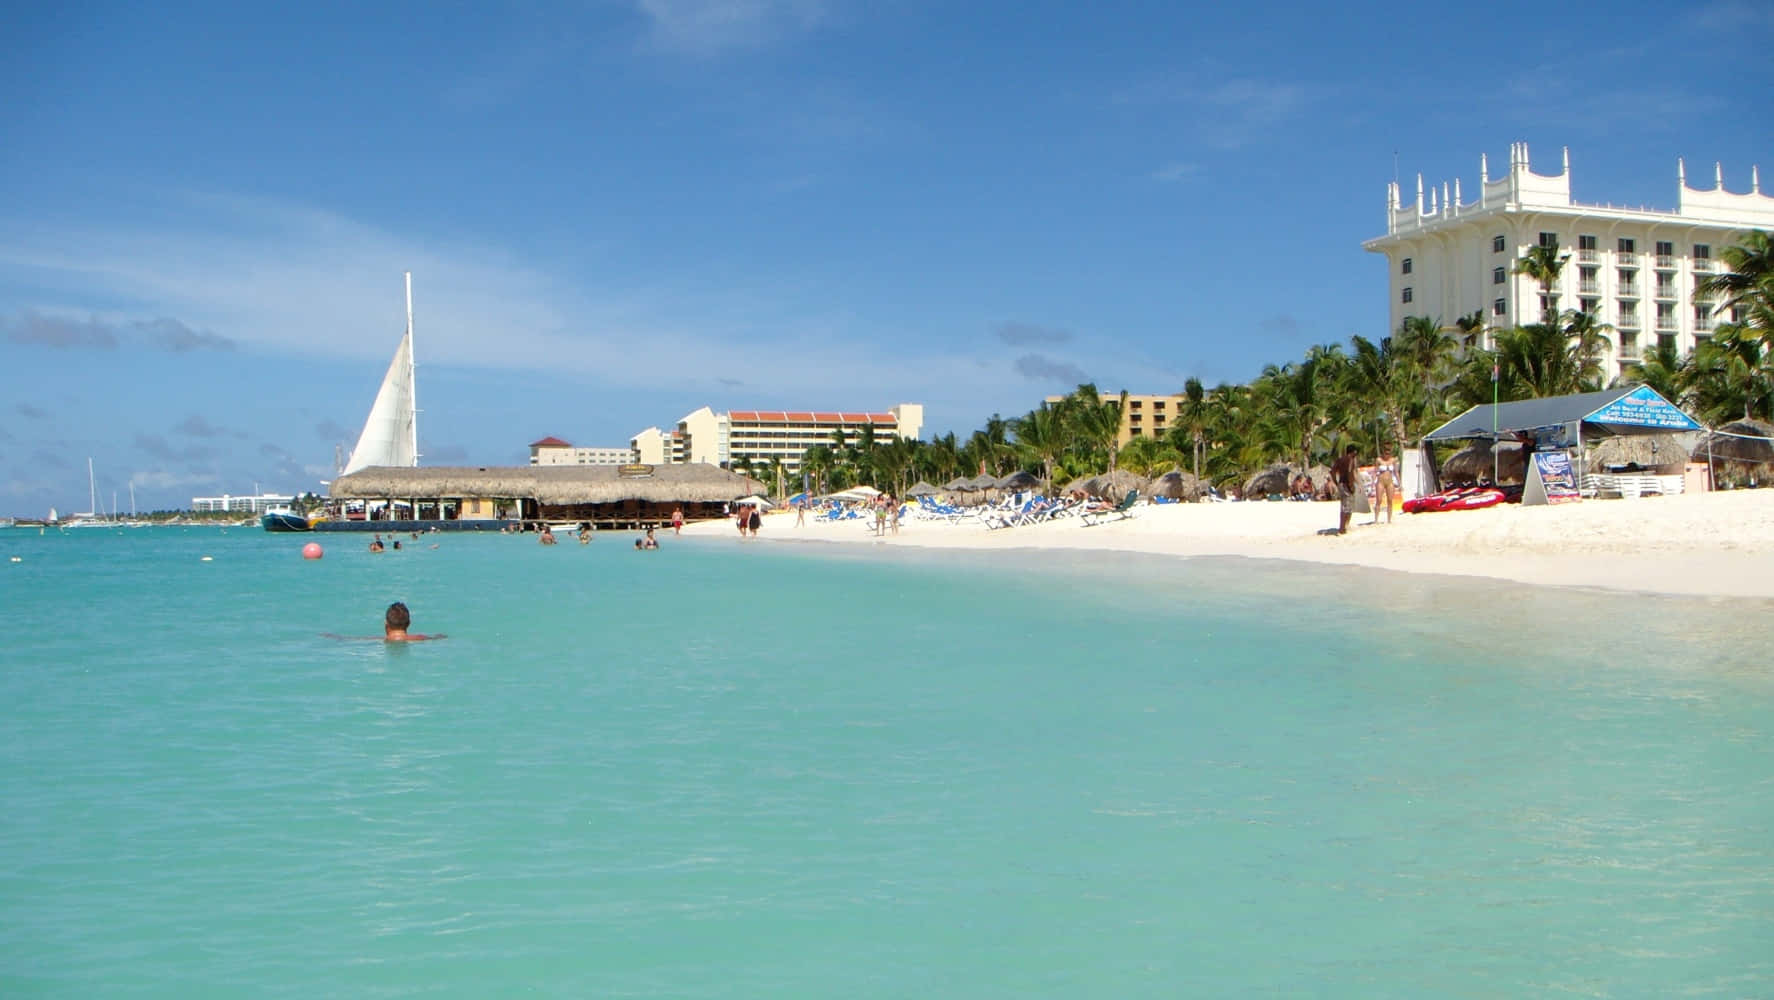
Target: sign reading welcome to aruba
{"x": 1642, "y": 407}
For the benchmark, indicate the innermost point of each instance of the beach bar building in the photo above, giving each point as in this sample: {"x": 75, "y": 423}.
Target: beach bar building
{"x": 492, "y": 497}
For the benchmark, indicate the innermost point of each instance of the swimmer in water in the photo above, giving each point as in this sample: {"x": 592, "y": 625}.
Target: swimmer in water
{"x": 396, "y": 622}
{"x": 394, "y": 627}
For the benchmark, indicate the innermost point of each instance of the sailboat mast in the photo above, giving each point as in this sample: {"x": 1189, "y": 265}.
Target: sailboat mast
{"x": 92, "y": 489}
{"x": 412, "y": 380}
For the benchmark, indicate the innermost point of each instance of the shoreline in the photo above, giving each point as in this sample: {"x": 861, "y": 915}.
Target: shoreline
{"x": 1695, "y": 545}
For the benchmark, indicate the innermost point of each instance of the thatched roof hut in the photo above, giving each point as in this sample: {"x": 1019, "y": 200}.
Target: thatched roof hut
{"x": 1110, "y": 485}
{"x": 553, "y": 485}
{"x": 1661, "y": 452}
{"x": 1175, "y": 485}
{"x": 1474, "y": 462}
{"x": 1276, "y": 479}
{"x": 1018, "y": 480}
{"x": 1742, "y": 442}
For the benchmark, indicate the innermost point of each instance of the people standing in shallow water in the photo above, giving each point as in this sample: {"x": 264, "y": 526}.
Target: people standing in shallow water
{"x": 547, "y": 536}
{"x": 376, "y": 544}
{"x": 649, "y": 542}
{"x": 754, "y": 521}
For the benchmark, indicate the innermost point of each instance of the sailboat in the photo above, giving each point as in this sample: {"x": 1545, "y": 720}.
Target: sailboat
{"x": 91, "y": 518}
{"x": 390, "y": 434}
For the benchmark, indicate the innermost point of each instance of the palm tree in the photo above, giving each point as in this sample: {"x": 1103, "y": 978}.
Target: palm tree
{"x": 1378, "y": 375}
{"x": 1663, "y": 369}
{"x": 1041, "y": 437}
{"x": 1472, "y": 328}
{"x": 1195, "y": 411}
{"x": 1543, "y": 263}
{"x": 1750, "y": 281}
{"x": 1731, "y": 374}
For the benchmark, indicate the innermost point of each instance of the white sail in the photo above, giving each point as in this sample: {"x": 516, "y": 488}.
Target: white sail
{"x": 391, "y": 434}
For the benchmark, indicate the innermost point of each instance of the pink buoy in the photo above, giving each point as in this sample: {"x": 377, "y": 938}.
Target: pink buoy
{"x": 312, "y": 551}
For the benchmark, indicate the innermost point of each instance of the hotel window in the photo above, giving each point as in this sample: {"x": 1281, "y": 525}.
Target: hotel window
{"x": 1628, "y": 345}
{"x": 1407, "y": 295}
{"x": 1626, "y": 245}
{"x": 1702, "y": 251}
{"x": 1406, "y": 267}
{"x": 1627, "y": 310}
{"x": 1628, "y": 281}
{"x": 1666, "y": 315}
{"x": 1549, "y": 239}
{"x": 1158, "y": 404}
{"x": 1497, "y": 244}
{"x": 1665, "y": 254}
{"x": 1499, "y": 307}
{"x": 1587, "y": 249}
{"x": 1590, "y": 306}
{"x": 1588, "y": 279}
{"x": 1498, "y": 276}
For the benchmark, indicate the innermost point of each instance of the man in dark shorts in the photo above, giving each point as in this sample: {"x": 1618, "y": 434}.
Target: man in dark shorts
{"x": 1343, "y": 477}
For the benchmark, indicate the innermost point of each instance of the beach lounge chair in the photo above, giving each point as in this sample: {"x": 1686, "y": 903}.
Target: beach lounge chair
{"x": 1115, "y": 513}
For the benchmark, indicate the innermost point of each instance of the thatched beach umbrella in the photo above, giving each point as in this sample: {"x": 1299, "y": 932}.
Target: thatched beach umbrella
{"x": 1018, "y": 480}
{"x": 1649, "y": 451}
{"x": 1175, "y": 485}
{"x": 1745, "y": 442}
{"x": 1110, "y": 486}
{"x": 921, "y": 489}
{"x": 1474, "y": 462}
{"x": 958, "y": 483}
{"x": 1275, "y": 479}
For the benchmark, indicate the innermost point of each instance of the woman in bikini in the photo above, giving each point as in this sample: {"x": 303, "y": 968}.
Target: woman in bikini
{"x": 1385, "y": 483}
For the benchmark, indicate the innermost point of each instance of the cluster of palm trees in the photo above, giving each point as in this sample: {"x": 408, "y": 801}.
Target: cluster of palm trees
{"x": 1369, "y": 393}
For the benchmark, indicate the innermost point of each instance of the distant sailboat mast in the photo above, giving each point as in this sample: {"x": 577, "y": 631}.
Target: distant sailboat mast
{"x": 391, "y": 434}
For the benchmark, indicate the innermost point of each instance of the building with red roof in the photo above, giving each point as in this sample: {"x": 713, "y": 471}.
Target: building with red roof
{"x": 760, "y": 437}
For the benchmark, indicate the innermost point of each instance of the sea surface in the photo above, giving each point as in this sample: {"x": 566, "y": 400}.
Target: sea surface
{"x": 734, "y": 769}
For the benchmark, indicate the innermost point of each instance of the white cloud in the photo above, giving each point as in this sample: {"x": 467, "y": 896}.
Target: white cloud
{"x": 708, "y": 26}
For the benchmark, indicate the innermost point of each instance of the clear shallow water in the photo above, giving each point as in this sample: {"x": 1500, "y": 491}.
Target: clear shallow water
{"x": 784, "y": 771}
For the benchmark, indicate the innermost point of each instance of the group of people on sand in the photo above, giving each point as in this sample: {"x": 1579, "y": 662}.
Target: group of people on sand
{"x": 1345, "y": 479}
{"x": 749, "y": 519}
{"x": 886, "y": 514}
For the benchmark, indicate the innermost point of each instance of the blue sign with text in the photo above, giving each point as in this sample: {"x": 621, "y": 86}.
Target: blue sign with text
{"x": 1642, "y": 407}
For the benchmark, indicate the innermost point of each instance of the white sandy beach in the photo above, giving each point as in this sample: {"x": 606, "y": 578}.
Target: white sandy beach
{"x": 1718, "y": 544}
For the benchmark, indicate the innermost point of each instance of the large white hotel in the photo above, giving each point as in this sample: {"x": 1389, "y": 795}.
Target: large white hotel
{"x": 725, "y": 439}
{"x": 1634, "y": 268}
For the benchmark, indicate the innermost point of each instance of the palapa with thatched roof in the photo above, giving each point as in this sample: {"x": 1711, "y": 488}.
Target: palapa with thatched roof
{"x": 632, "y": 494}
{"x": 1474, "y": 462}
{"x": 1175, "y": 485}
{"x": 1111, "y": 486}
{"x": 1658, "y": 452}
{"x": 1741, "y": 446}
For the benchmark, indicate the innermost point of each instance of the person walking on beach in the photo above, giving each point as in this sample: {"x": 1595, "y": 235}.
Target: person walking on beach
{"x": 677, "y": 520}
{"x": 1385, "y": 483}
{"x": 754, "y": 521}
{"x": 739, "y": 518}
{"x": 800, "y": 512}
{"x": 893, "y": 514}
{"x": 1342, "y": 476}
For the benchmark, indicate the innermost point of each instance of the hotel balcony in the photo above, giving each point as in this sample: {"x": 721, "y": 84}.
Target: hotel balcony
{"x": 1702, "y": 265}
{"x": 1665, "y": 260}
{"x": 1627, "y": 260}
{"x": 1667, "y": 324}
{"x": 1590, "y": 287}
{"x": 1589, "y": 256}
{"x": 1666, "y": 292}
{"x": 1704, "y": 322}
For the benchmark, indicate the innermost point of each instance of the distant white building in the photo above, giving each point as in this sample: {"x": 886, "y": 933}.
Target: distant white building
{"x": 554, "y": 451}
{"x": 253, "y": 504}
{"x": 1634, "y": 268}
{"x": 726, "y": 439}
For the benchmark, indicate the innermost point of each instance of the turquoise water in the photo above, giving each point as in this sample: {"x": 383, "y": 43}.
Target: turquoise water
{"x": 733, "y": 769}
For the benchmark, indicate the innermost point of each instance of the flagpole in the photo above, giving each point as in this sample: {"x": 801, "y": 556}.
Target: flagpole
{"x": 1496, "y": 460}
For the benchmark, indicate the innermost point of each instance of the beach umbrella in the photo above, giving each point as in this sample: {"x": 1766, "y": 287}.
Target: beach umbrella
{"x": 797, "y": 498}
{"x": 958, "y": 483}
{"x": 1275, "y": 480}
{"x": 1018, "y": 480}
{"x": 1474, "y": 462}
{"x": 1746, "y": 442}
{"x": 1175, "y": 485}
{"x": 1109, "y": 485}
{"x": 756, "y": 501}
{"x": 1649, "y": 451}
{"x": 921, "y": 489}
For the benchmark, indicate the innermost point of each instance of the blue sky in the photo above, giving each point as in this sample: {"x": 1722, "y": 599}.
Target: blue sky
{"x": 616, "y": 212}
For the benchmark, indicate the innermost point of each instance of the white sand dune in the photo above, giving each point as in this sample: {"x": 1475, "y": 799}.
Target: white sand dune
{"x": 1703, "y": 544}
